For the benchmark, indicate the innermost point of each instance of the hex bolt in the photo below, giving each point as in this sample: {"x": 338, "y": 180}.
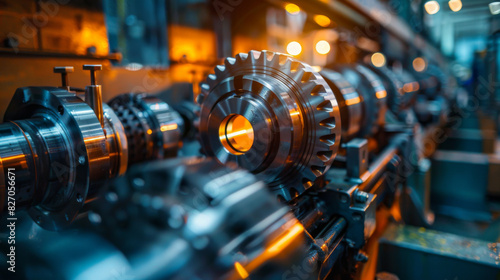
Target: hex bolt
{"x": 92, "y": 68}
{"x": 361, "y": 196}
{"x": 64, "y": 70}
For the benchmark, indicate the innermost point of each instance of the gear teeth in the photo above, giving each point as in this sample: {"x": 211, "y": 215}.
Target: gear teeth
{"x": 307, "y": 183}
{"x": 255, "y": 56}
{"x": 241, "y": 57}
{"x": 212, "y": 80}
{"x": 286, "y": 67}
{"x": 318, "y": 90}
{"x": 219, "y": 70}
{"x": 205, "y": 88}
{"x": 328, "y": 139}
{"x": 229, "y": 61}
{"x": 328, "y": 123}
{"x": 200, "y": 98}
{"x": 272, "y": 60}
{"x": 306, "y": 86}
{"x": 324, "y": 156}
{"x": 325, "y": 106}
{"x": 318, "y": 170}
{"x": 297, "y": 75}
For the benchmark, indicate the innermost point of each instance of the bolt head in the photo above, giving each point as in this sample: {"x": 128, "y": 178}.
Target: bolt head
{"x": 94, "y": 67}
{"x": 64, "y": 69}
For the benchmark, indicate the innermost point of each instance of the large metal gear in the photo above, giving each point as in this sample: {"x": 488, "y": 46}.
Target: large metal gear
{"x": 274, "y": 116}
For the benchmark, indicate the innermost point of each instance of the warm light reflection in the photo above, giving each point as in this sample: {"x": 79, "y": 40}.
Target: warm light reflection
{"x": 323, "y": 47}
{"x": 381, "y": 94}
{"x": 241, "y": 270}
{"x": 294, "y": 48}
{"x": 410, "y": 87}
{"x": 236, "y": 134}
{"x": 431, "y": 7}
{"x": 292, "y": 9}
{"x": 419, "y": 64}
{"x": 322, "y": 20}
{"x": 378, "y": 59}
{"x": 168, "y": 127}
{"x": 149, "y": 132}
{"x": 455, "y": 5}
{"x": 277, "y": 246}
{"x": 352, "y": 101}
{"x": 316, "y": 68}
{"x": 286, "y": 240}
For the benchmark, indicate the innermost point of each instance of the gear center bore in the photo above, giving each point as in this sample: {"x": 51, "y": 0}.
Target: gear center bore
{"x": 236, "y": 134}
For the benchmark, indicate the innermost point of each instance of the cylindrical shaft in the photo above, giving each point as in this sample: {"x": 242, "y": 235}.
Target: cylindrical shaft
{"x": 17, "y": 168}
{"x": 93, "y": 97}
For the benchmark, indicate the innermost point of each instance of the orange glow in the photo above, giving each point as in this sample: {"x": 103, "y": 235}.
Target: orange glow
{"x": 236, "y": 134}
{"x": 431, "y": 7}
{"x": 352, "y": 101}
{"x": 286, "y": 240}
{"x": 455, "y": 5}
{"x": 292, "y": 9}
{"x": 168, "y": 127}
{"x": 322, "y": 20}
{"x": 316, "y": 68}
{"x": 409, "y": 87}
{"x": 419, "y": 64}
{"x": 378, "y": 59}
{"x": 185, "y": 44}
{"x": 381, "y": 94}
{"x": 294, "y": 48}
{"x": 241, "y": 270}
{"x": 93, "y": 139}
{"x": 323, "y": 47}
{"x": 149, "y": 131}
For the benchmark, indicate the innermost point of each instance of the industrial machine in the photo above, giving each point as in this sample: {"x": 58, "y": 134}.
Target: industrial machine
{"x": 272, "y": 165}
{"x": 63, "y": 146}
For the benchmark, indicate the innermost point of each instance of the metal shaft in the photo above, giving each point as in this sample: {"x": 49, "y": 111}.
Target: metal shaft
{"x": 93, "y": 93}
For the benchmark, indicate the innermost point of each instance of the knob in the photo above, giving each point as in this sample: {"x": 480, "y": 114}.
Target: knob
{"x": 64, "y": 70}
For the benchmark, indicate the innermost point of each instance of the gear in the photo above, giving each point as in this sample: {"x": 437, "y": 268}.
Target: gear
{"x": 135, "y": 127}
{"x": 274, "y": 116}
{"x": 153, "y": 128}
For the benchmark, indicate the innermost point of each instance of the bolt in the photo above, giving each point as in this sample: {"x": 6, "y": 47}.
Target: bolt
{"x": 361, "y": 196}
{"x": 64, "y": 70}
{"x": 361, "y": 257}
{"x": 93, "y": 68}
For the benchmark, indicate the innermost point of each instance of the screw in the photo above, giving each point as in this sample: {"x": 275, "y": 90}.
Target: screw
{"x": 361, "y": 196}
{"x": 361, "y": 257}
{"x": 93, "y": 68}
{"x": 64, "y": 70}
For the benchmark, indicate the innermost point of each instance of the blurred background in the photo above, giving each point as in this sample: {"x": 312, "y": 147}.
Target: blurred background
{"x": 155, "y": 45}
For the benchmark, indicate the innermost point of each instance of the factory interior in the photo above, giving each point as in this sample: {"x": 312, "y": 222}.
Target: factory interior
{"x": 249, "y": 139}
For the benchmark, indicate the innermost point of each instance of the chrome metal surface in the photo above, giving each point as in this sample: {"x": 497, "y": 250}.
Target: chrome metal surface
{"x": 154, "y": 130}
{"x": 116, "y": 140}
{"x": 71, "y": 147}
{"x": 93, "y": 97}
{"x": 350, "y": 103}
{"x": 16, "y": 156}
{"x": 293, "y": 113}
